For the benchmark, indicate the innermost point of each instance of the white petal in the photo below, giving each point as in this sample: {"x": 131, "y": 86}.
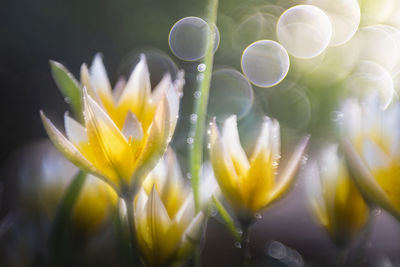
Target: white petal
{"x": 132, "y": 127}
{"x": 118, "y": 89}
{"x": 162, "y": 87}
{"x": 285, "y": 177}
{"x": 374, "y": 156}
{"x": 263, "y": 143}
{"x": 138, "y": 87}
{"x": 99, "y": 78}
{"x": 65, "y": 146}
{"x": 75, "y": 132}
{"x": 140, "y": 205}
{"x": 208, "y": 185}
{"x": 231, "y": 139}
{"x": 186, "y": 211}
{"x": 275, "y": 139}
{"x": 194, "y": 230}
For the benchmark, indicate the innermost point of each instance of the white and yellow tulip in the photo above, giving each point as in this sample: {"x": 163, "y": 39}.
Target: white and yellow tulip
{"x": 372, "y": 144}
{"x": 334, "y": 197}
{"x": 125, "y": 130}
{"x": 251, "y": 184}
{"x": 167, "y": 227}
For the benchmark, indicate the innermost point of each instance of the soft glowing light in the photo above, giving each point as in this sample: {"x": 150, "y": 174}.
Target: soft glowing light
{"x": 230, "y": 93}
{"x": 265, "y": 63}
{"x": 304, "y": 30}
{"x": 345, "y": 18}
{"x": 188, "y": 37}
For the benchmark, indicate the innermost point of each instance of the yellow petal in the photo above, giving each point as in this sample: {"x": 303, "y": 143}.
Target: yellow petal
{"x": 286, "y": 177}
{"x": 224, "y": 169}
{"x": 66, "y": 147}
{"x": 257, "y": 184}
{"x": 85, "y": 81}
{"x": 159, "y": 224}
{"x": 136, "y": 95}
{"x": 107, "y": 141}
{"x": 364, "y": 179}
{"x": 315, "y": 194}
{"x": 155, "y": 141}
{"x": 230, "y": 137}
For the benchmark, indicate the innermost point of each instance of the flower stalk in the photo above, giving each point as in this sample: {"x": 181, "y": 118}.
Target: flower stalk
{"x": 200, "y": 106}
{"x": 244, "y": 244}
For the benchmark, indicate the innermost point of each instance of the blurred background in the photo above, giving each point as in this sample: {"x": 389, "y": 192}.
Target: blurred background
{"x": 306, "y": 101}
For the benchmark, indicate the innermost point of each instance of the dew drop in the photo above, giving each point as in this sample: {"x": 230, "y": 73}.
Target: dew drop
{"x": 336, "y": 116}
{"x": 193, "y": 118}
{"x": 277, "y": 250}
{"x": 189, "y": 175}
{"x": 240, "y": 231}
{"x": 200, "y": 77}
{"x": 238, "y": 245}
{"x": 377, "y": 212}
{"x": 304, "y": 160}
{"x": 201, "y": 67}
{"x": 258, "y": 216}
{"x": 67, "y": 100}
{"x": 190, "y": 140}
{"x": 197, "y": 94}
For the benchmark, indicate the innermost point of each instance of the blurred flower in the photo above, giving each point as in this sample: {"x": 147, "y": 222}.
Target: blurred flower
{"x": 46, "y": 174}
{"x": 334, "y": 198}
{"x": 125, "y": 130}
{"x": 167, "y": 227}
{"x": 251, "y": 184}
{"x": 373, "y": 150}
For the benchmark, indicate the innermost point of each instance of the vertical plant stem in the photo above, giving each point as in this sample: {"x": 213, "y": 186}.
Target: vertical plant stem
{"x": 130, "y": 257}
{"x": 200, "y": 106}
{"x": 244, "y": 246}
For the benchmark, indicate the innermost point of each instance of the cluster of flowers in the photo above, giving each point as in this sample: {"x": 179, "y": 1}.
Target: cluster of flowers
{"x": 121, "y": 136}
{"x": 124, "y": 132}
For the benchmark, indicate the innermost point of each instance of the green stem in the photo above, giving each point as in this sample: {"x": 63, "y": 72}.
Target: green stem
{"x": 244, "y": 246}
{"x": 130, "y": 257}
{"x": 200, "y": 107}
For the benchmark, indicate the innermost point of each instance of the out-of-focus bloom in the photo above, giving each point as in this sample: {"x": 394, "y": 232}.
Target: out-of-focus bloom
{"x": 334, "y": 198}
{"x": 46, "y": 174}
{"x": 125, "y": 130}
{"x": 372, "y": 147}
{"x": 167, "y": 227}
{"x": 251, "y": 184}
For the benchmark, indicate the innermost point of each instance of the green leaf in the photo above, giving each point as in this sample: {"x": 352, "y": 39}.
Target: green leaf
{"x": 60, "y": 235}
{"x": 69, "y": 87}
{"x": 227, "y": 218}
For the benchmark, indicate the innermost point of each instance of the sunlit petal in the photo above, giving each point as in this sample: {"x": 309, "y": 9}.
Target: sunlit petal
{"x": 285, "y": 178}
{"x": 65, "y": 146}
{"x": 230, "y": 137}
